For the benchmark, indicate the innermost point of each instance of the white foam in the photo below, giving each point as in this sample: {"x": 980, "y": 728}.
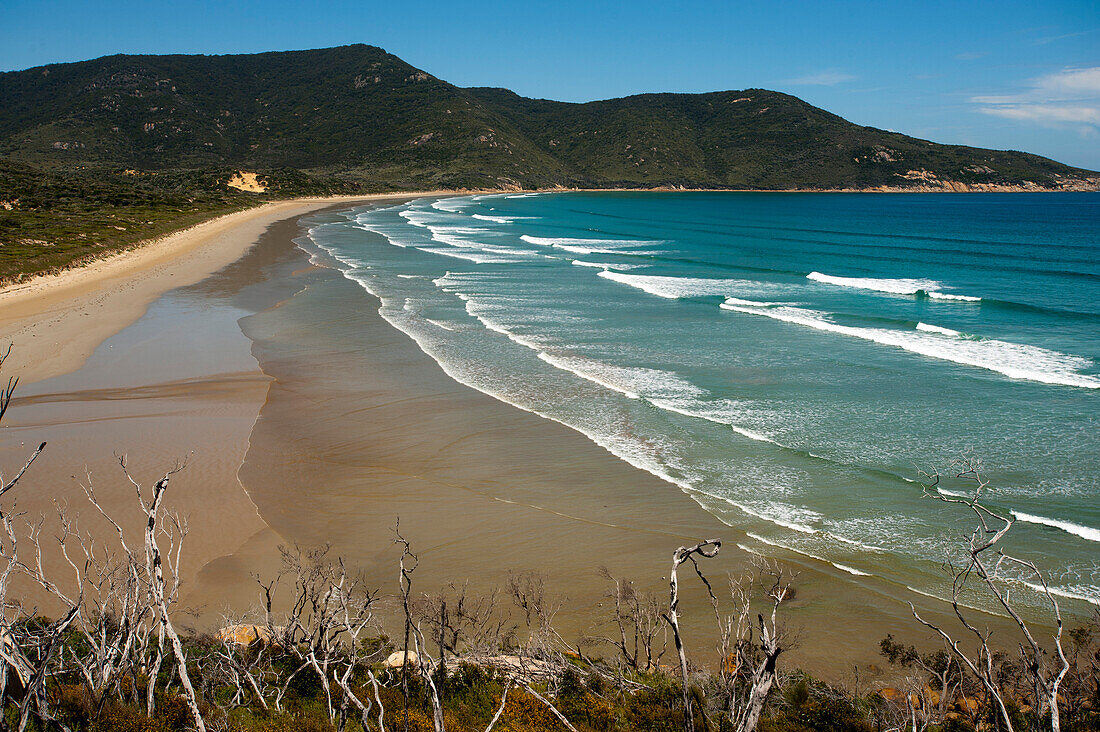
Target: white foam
{"x": 503, "y": 219}
{"x": 893, "y": 286}
{"x": 451, "y": 205}
{"x": 390, "y": 236}
{"x": 418, "y": 217}
{"x": 594, "y": 246}
{"x": 475, "y": 309}
{"x": 555, "y": 241}
{"x": 948, "y": 296}
{"x": 1014, "y": 360}
{"x": 632, "y": 381}
{"x": 937, "y": 329}
{"x": 953, "y": 494}
{"x": 605, "y": 265}
{"x": 439, "y": 324}
{"x": 1085, "y": 532}
{"x": 853, "y": 542}
{"x": 676, "y": 287}
{"x": 987, "y": 611}
{"x": 524, "y": 195}
{"x": 842, "y": 567}
{"x": 710, "y": 417}
{"x": 565, "y": 365}
{"x": 732, "y": 301}
{"x": 900, "y": 286}
{"x": 470, "y": 255}
{"x": 461, "y": 246}
{"x": 1088, "y": 594}
{"x": 850, "y": 570}
{"x": 779, "y": 515}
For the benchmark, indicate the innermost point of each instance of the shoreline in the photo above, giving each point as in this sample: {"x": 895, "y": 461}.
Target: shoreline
{"x": 377, "y": 431}
{"x": 55, "y": 295}
{"x": 57, "y": 320}
{"x": 429, "y": 446}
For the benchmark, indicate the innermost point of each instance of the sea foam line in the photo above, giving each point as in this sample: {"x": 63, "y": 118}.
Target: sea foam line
{"x": 559, "y": 241}
{"x": 1085, "y": 532}
{"x": 734, "y": 301}
{"x": 937, "y": 329}
{"x": 853, "y": 542}
{"x": 605, "y": 265}
{"x": 899, "y": 286}
{"x": 662, "y": 389}
{"x": 987, "y": 611}
{"x": 564, "y": 365}
{"x": 1073, "y": 593}
{"x": 842, "y": 567}
{"x": 502, "y": 219}
{"x": 784, "y": 522}
{"x": 670, "y": 407}
{"x": 621, "y": 247}
{"x": 674, "y": 288}
{"x": 893, "y": 286}
{"x": 602, "y": 441}
{"x": 948, "y": 296}
{"x": 1017, "y": 361}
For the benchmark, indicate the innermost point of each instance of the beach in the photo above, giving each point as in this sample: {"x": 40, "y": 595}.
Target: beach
{"x": 303, "y": 418}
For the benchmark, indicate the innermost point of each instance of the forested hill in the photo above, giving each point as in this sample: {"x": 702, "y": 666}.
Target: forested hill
{"x": 365, "y": 117}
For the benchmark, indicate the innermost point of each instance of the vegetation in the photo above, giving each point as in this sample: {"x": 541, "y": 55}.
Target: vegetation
{"x": 98, "y": 155}
{"x": 50, "y": 220}
{"x": 359, "y": 113}
{"x": 310, "y": 655}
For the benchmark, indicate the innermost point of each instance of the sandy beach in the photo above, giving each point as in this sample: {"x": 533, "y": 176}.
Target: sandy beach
{"x": 304, "y": 418}
{"x": 56, "y": 321}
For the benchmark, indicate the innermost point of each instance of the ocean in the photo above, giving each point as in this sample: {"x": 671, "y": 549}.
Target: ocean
{"x": 797, "y": 364}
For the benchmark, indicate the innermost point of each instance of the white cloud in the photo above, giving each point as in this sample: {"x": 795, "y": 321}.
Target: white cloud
{"x": 1067, "y": 97}
{"x": 1046, "y": 113}
{"x": 1072, "y": 81}
{"x": 1051, "y": 39}
{"x": 821, "y": 78}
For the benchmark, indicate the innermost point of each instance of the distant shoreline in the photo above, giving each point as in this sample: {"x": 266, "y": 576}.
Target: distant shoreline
{"x": 43, "y": 314}
{"x": 56, "y": 320}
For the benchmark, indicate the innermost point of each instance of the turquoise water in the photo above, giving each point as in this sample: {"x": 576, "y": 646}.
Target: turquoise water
{"x": 790, "y": 361}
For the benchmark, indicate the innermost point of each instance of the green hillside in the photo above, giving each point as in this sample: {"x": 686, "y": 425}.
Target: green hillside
{"x": 359, "y": 113}
{"x": 748, "y": 139}
{"x": 98, "y": 155}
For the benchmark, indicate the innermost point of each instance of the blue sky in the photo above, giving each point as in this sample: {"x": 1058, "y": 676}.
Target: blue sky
{"x": 1006, "y": 74}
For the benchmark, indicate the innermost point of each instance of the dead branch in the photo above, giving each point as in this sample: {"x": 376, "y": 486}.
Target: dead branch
{"x": 986, "y": 561}
{"x": 707, "y": 549}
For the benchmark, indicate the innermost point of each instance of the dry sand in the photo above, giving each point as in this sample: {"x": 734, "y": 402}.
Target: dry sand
{"x": 56, "y": 321}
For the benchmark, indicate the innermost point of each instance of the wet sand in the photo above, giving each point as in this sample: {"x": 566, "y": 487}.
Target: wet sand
{"x": 57, "y": 321}
{"x": 361, "y": 429}
{"x": 339, "y": 426}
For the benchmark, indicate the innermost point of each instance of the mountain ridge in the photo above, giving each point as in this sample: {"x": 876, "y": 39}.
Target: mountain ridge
{"x": 360, "y": 115}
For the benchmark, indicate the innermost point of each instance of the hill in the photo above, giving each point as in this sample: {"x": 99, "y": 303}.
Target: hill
{"x": 360, "y": 114}
{"x": 99, "y": 155}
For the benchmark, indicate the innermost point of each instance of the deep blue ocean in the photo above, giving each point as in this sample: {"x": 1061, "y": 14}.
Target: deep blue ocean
{"x": 792, "y": 362}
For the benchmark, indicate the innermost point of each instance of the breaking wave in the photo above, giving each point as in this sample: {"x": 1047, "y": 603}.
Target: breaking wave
{"x": 1085, "y": 532}
{"x": 901, "y": 286}
{"x": 677, "y": 287}
{"x": 1014, "y": 360}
